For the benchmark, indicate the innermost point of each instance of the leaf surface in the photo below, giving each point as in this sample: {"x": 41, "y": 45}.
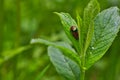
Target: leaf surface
{"x": 67, "y": 22}
{"x": 106, "y": 27}
{"x": 87, "y": 28}
{"x": 64, "y": 66}
{"x": 63, "y": 46}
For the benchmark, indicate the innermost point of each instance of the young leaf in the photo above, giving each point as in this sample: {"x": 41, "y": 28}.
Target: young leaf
{"x": 67, "y": 22}
{"x": 90, "y": 12}
{"x": 64, "y": 66}
{"x": 79, "y": 21}
{"x": 63, "y": 46}
{"x": 106, "y": 27}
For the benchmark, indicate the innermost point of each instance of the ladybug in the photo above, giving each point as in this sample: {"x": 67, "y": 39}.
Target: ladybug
{"x": 74, "y": 32}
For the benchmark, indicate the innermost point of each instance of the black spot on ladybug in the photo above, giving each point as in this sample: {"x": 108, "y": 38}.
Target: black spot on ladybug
{"x": 74, "y": 32}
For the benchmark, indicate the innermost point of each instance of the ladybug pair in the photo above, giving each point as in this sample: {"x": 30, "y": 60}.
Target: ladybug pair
{"x": 74, "y": 32}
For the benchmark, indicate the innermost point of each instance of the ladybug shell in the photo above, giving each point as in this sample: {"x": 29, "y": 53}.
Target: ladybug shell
{"x": 74, "y": 32}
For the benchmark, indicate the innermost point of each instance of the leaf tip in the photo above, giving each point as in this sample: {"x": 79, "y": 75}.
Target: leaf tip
{"x": 115, "y": 7}
{"x": 32, "y": 41}
{"x": 56, "y": 13}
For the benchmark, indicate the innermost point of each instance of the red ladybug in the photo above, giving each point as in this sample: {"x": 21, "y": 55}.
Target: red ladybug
{"x": 74, "y": 32}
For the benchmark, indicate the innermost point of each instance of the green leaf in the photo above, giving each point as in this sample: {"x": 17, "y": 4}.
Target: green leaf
{"x": 106, "y": 27}
{"x": 63, "y": 46}
{"x": 6, "y": 55}
{"x": 79, "y": 21}
{"x": 67, "y": 22}
{"x": 42, "y": 73}
{"x": 64, "y": 66}
{"x": 90, "y": 12}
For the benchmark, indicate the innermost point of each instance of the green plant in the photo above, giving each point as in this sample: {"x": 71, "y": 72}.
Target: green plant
{"x": 96, "y": 30}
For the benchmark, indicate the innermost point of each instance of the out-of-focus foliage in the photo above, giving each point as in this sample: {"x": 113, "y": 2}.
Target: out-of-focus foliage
{"x": 21, "y": 20}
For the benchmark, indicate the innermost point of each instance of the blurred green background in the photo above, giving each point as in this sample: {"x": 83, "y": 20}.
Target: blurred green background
{"x": 22, "y": 20}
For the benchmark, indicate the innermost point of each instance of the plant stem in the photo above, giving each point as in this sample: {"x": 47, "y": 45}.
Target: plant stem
{"x": 17, "y": 35}
{"x": 1, "y": 25}
{"x": 18, "y": 22}
{"x": 82, "y": 67}
{"x": 1, "y": 34}
{"x": 82, "y": 52}
{"x": 82, "y": 75}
